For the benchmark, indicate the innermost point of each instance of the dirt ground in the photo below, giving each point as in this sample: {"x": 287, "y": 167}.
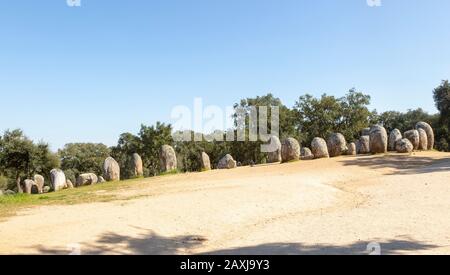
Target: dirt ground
{"x": 328, "y": 206}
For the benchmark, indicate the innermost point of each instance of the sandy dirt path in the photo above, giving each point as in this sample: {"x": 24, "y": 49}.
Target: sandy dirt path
{"x": 330, "y": 206}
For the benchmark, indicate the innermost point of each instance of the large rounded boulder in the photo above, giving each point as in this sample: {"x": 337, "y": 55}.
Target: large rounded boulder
{"x": 363, "y": 145}
{"x": 290, "y": 150}
{"x": 57, "y": 180}
{"x": 306, "y": 154}
{"x": 351, "y": 149}
{"x": 275, "y": 150}
{"x": 423, "y": 139}
{"x": 137, "y": 165}
{"x": 404, "y": 146}
{"x": 336, "y": 145}
{"x": 378, "y": 140}
{"x": 168, "y": 158}
{"x": 394, "y": 137}
{"x": 205, "y": 162}
{"x": 414, "y": 137}
{"x": 227, "y": 162}
{"x": 111, "y": 170}
{"x": 430, "y": 133}
{"x": 319, "y": 148}
{"x": 86, "y": 179}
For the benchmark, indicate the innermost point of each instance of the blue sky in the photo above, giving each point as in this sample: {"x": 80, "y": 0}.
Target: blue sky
{"x": 93, "y": 72}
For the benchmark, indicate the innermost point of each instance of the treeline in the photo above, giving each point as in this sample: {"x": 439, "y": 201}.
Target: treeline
{"x": 310, "y": 117}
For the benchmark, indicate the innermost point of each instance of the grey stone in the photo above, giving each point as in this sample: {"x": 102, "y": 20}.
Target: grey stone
{"x": 430, "y": 133}
{"x": 101, "y": 179}
{"x": 138, "y": 166}
{"x": 363, "y": 145}
{"x": 40, "y": 182}
{"x": 86, "y": 179}
{"x": 336, "y": 145}
{"x": 394, "y": 136}
{"x": 319, "y": 148}
{"x": 227, "y": 162}
{"x": 306, "y": 154}
{"x": 275, "y": 154}
{"x": 111, "y": 170}
{"x": 404, "y": 146}
{"x": 414, "y": 137}
{"x": 351, "y": 151}
{"x": 69, "y": 184}
{"x": 168, "y": 159}
{"x": 378, "y": 140}
{"x": 290, "y": 150}
{"x": 58, "y": 180}
{"x": 205, "y": 162}
{"x": 28, "y": 186}
{"x": 423, "y": 139}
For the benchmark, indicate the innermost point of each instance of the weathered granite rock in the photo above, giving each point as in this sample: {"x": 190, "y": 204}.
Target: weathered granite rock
{"x": 40, "y": 182}
{"x": 404, "y": 146}
{"x": 101, "y": 180}
{"x": 138, "y": 166}
{"x": 423, "y": 139}
{"x": 58, "y": 180}
{"x": 319, "y": 148}
{"x": 378, "y": 140}
{"x": 290, "y": 150}
{"x": 227, "y": 162}
{"x": 336, "y": 145}
{"x": 394, "y": 136}
{"x": 86, "y": 179}
{"x": 29, "y": 185}
{"x": 275, "y": 154}
{"x": 351, "y": 149}
{"x": 413, "y": 136}
{"x": 430, "y": 133}
{"x": 205, "y": 162}
{"x": 168, "y": 158}
{"x": 111, "y": 170}
{"x": 69, "y": 184}
{"x": 306, "y": 154}
{"x": 363, "y": 145}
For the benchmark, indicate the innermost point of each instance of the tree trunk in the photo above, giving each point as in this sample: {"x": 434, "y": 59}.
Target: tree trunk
{"x": 19, "y": 186}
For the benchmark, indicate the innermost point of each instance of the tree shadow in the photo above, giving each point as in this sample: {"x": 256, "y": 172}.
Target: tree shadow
{"x": 401, "y": 164}
{"x": 148, "y": 243}
{"x": 153, "y": 244}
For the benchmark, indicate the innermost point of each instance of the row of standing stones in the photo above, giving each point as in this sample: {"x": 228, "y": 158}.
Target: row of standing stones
{"x": 373, "y": 140}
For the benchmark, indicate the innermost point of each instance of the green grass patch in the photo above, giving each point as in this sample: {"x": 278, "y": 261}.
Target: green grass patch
{"x": 9, "y": 205}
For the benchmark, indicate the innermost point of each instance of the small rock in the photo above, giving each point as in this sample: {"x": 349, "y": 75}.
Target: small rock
{"x": 306, "y": 154}
{"x": 86, "y": 179}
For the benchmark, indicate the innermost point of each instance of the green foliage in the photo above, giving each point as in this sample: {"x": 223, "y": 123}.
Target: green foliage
{"x": 4, "y": 183}
{"x": 147, "y": 144}
{"x": 78, "y": 158}
{"x": 20, "y": 157}
{"x": 320, "y": 117}
{"x": 406, "y": 121}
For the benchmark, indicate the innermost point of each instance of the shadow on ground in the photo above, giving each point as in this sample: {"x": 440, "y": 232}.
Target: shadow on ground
{"x": 153, "y": 244}
{"x": 401, "y": 164}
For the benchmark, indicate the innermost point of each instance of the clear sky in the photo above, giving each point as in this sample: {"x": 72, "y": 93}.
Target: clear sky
{"x": 90, "y": 73}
